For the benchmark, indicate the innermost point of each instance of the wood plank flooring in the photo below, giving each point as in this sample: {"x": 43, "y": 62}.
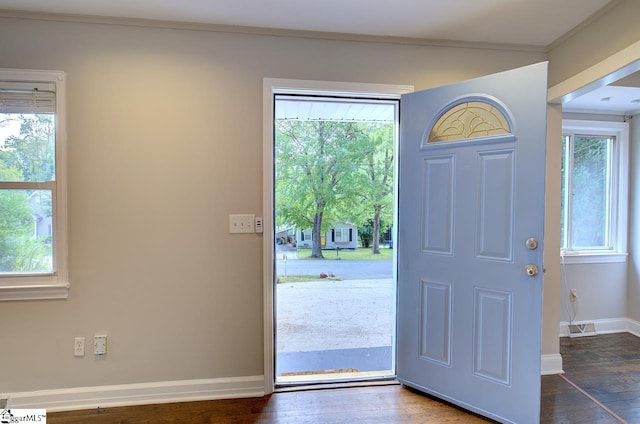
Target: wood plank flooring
{"x": 607, "y": 367}
{"x": 377, "y": 404}
{"x": 561, "y": 403}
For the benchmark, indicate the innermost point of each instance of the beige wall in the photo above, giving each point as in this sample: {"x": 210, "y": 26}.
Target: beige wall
{"x": 164, "y": 141}
{"x": 601, "y": 289}
{"x": 551, "y": 290}
{"x": 611, "y": 32}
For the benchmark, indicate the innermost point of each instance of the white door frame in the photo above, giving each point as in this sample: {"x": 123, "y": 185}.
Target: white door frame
{"x": 271, "y": 86}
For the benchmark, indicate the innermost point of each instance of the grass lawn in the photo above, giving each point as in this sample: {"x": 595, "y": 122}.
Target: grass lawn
{"x": 304, "y": 278}
{"x": 359, "y": 254}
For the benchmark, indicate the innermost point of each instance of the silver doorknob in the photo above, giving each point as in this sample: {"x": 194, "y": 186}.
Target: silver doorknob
{"x": 532, "y": 244}
{"x": 531, "y": 270}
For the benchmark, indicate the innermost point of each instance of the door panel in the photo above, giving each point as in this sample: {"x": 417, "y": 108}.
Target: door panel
{"x": 435, "y": 320}
{"x": 495, "y": 205}
{"x": 438, "y": 205}
{"x": 471, "y": 192}
{"x": 492, "y": 335}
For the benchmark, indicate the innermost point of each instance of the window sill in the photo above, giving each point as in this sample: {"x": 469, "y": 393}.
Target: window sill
{"x": 34, "y": 291}
{"x": 592, "y": 258}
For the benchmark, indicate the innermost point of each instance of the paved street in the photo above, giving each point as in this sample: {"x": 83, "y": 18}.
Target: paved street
{"x": 347, "y": 270}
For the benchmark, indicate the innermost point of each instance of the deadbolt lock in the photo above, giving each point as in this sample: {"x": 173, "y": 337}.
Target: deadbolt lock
{"x": 531, "y": 270}
{"x": 532, "y": 244}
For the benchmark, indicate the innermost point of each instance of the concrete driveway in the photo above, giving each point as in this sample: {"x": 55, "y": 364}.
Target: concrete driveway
{"x": 327, "y": 324}
{"x": 322, "y": 315}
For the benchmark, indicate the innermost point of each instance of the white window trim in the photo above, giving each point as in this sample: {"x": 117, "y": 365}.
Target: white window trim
{"x": 571, "y": 257}
{"x": 307, "y": 235}
{"x": 619, "y": 201}
{"x": 56, "y": 285}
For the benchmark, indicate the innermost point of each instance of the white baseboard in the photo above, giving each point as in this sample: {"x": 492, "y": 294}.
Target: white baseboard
{"x": 607, "y": 326}
{"x": 634, "y": 328}
{"x": 551, "y": 364}
{"x": 138, "y": 394}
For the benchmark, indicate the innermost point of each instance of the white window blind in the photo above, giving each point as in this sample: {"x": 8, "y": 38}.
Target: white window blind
{"x": 25, "y": 98}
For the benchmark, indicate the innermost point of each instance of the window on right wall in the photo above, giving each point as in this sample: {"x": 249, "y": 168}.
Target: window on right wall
{"x": 594, "y": 191}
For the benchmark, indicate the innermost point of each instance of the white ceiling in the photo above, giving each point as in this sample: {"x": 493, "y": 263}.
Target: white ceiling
{"x": 536, "y": 23}
{"x": 527, "y": 22}
{"x": 609, "y": 100}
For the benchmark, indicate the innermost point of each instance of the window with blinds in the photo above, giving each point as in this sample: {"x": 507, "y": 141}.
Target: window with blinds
{"x": 32, "y": 192}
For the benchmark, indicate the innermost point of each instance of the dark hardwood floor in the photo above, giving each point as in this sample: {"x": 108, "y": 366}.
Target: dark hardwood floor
{"x": 377, "y": 404}
{"x": 606, "y": 368}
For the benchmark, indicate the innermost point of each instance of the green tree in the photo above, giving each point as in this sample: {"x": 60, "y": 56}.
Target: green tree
{"x": 365, "y": 232}
{"x": 376, "y": 186}
{"x": 316, "y": 171}
{"x": 589, "y": 193}
{"x": 589, "y": 170}
{"x": 18, "y": 250}
{"x": 27, "y": 155}
{"x": 32, "y": 150}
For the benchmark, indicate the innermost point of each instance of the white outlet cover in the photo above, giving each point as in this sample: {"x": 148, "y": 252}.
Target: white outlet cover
{"x": 78, "y": 346}
{"x": 100, "y": 345}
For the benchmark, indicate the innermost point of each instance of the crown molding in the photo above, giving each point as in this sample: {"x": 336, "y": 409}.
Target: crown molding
{"x": 569, "y": 34}
{"x": 270, "y": 32}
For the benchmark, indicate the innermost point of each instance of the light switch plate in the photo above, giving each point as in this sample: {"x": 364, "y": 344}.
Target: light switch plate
{"x": 241, "y": 223}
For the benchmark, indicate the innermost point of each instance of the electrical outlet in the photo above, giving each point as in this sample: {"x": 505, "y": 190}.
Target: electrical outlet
{"x": 78, "y": 346}
{"x": 573, "y": 295}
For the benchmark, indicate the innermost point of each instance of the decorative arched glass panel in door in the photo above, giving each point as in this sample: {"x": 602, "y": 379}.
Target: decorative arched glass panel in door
{"x": 471, "y": 117}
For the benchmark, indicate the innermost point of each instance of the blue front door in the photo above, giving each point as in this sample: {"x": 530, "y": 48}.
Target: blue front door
{"x": 470, "y": 240}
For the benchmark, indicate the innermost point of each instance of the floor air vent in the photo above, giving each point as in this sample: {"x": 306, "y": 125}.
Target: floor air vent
{"x": 582, "y": 330}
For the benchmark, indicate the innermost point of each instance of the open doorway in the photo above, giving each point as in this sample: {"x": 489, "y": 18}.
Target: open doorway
{"x": 601, "y": 101}
{"x": 334, "y": 197}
